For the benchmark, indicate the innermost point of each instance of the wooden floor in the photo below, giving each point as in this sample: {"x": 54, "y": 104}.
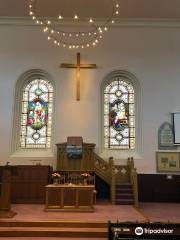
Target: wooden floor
{"x": 104, "y": 212}
{"x": 32, "y": 222}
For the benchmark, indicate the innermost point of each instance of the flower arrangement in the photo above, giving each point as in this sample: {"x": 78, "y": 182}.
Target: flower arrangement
{"x": 56, "y": 175}
{"x": 85, "y": 175}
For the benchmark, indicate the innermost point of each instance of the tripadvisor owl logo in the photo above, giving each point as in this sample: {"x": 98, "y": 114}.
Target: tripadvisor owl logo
{"x": 139, "y": 231}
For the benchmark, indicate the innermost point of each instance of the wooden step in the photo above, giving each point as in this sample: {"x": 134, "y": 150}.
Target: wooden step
{"x": 124, "y": 202}
{"x": 78, "y": 229}
{"x": 53, "y": 232}
{"x": 124, "y": 196}
{"x": 124, "y": 190}
{"x": 123, "y": 186}
{"x": 80, "y": 224}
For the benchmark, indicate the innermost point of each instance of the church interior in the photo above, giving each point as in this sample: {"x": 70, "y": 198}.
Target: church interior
{"x": 90, "y": 118}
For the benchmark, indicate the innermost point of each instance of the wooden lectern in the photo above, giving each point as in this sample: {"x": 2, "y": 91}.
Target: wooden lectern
{"x": 84, "y": 163}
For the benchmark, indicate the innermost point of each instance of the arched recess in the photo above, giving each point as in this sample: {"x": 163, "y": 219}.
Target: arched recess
{"x": 23, "y": 83}
{"x": 121, "y": 89}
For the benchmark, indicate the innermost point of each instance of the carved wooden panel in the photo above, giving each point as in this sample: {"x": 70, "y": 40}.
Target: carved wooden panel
{"x": 71, "y": 197}
{"x": 5, "y": 186}
{"x": 28, "y": 183}
{"x": 86, "y": 163}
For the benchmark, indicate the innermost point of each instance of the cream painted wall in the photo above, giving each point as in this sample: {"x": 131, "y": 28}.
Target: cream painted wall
{"x": 152, "y": 54}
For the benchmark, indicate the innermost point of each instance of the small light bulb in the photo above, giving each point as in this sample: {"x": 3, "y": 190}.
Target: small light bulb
{"x": 76, "y": 17}
{"x": 82, "y": 34}
{"x": 34, "y": 18}
{"x": 45, "y": 29}
{"x": 64, "y": 34}
{"x": 55, "y": 42}
{"x": 70, "y": 35}
{"x": 49, "y": 38}
{"x": 48, "y": 22}
{"x": 100, "y": 30}
{"x": 94, "y": 44}
{"x": 96, "y": 41}
{"x": 52, "y": 31}
{"x": 87, "y": 45}
{"x": 82, "y": 46}
{"x": 74, "y": 46}
{"x": 117, "y": 12}
{"x": 105, "y": 28}
{"x": 30, "y": 6}
{"x": 112, "y": 21}
{"x": 60, "y": 17}
{"x": 70, "y": 46}
{"x": 64, "y": 45}
{"x": 117, "y": 5}
{"x": 89, "y": 34}
{"x": 90, "y": 20}
{"x": 77, "y": 35}
{"x": 31, "y": 13}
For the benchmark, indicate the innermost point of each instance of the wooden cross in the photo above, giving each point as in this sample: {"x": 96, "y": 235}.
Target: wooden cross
{"x": 78, "y": 66}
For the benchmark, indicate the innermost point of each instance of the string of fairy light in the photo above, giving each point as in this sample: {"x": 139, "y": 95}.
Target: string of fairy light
{"x": 74, "y": 39}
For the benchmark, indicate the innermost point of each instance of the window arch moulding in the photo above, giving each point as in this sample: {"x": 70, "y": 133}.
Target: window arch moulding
{"x": 32, "y": 133}
{"x": 121, "y": 120}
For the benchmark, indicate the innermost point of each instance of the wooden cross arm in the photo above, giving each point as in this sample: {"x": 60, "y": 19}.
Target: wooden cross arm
{"x": 67, "y": 65}
{"x": 88, "y": 66}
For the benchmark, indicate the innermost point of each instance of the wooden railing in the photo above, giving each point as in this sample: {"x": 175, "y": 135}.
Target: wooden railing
{"x": 127, "y": 174}
{"x": 133, "y": 180}
{"x": 112, "y": 175}
{"x": 105, "y": 170}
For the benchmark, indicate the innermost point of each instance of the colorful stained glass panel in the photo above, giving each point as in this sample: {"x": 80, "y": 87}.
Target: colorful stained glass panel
{"x": 36, "y": 119}
{"x": 119, "y": 115}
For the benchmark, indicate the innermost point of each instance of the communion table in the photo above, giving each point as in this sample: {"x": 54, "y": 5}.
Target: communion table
{"x": 69, "y": 197}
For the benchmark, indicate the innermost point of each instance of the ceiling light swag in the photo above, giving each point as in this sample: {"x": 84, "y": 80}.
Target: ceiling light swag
{"x": 74, "y": 39}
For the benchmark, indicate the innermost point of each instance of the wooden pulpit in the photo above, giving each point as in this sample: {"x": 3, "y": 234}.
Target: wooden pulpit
{"x": 83, "y": 163}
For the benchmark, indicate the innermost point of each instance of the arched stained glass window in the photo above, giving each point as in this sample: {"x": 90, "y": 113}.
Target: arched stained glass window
{"x": 36, "y": 118}
{"x": 119, "y": 115}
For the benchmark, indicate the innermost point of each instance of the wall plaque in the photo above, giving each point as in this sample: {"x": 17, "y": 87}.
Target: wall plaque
{"x": 166, "y": 136}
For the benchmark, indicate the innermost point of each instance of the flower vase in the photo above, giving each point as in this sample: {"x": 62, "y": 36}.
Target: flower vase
{"x": 55, "y": 181}
{"x": 85, "y": 181}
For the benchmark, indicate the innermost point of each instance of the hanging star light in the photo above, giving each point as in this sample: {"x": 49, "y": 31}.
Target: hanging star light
{"x": 74, "y": 39}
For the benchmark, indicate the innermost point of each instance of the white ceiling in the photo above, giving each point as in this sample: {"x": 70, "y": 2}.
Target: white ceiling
{"x": 161, "y": 9}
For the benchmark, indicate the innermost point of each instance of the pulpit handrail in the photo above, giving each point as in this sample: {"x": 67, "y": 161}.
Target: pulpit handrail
{"x": 134, "y": 182}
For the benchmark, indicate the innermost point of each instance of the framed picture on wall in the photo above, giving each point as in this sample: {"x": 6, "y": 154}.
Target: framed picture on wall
{"x": 168, "y": 161}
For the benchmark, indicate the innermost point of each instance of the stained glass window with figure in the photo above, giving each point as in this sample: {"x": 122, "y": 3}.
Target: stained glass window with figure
{"x": 119, "y": 115}
{"x": 36, "y": 118}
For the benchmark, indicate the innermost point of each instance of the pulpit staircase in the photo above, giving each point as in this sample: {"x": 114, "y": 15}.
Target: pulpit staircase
{"x": 121, "y": 179}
